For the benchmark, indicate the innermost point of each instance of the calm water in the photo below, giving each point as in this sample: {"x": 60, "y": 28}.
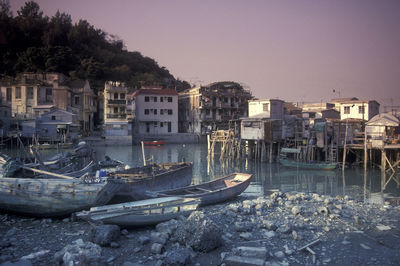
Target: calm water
{"x": 267, "y": 177}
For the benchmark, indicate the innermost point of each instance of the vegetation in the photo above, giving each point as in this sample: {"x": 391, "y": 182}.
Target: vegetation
{"x": 33, "y": 42}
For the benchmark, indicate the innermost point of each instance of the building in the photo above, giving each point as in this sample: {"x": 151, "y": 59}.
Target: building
{"x": 5, "y": 116}
{"x": 338, "y": 101}
{"x": 31, "y": 95}
{"x": 115, "y": 119}
{"x": 215, "y": 106}
{"x": 383, "y": 129}
{"x": 357, "y": 109}
{"x": 269, "y": 108}
{"x": 317, "y": 107}
{"x": 155, "y": 111}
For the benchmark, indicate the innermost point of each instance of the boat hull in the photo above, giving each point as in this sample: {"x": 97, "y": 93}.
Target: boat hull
{"x": 305, "y": 165}
{"x": 179, "y": 175}
{"x": 213, "y": 192}
{"x": 52, "y": 197}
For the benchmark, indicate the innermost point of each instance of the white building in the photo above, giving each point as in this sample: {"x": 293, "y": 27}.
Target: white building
{"x": 155, "y": 111}
{"x": 269, "y": 108}
{"x": 363, "y": 110}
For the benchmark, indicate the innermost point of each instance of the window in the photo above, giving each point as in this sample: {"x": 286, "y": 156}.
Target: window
{"x": 122, "y": 96}
{"x": 265, "y": 107}
{"x": 161, "y": 124}
{"x": 169, "y": 126}
{"x": 146, "y": 111}
{"x": 347, "y": 109}
{"x": 147, "y": 127}
{"x": 155, "y": 99}
{"x": 115, "y": 95}
{"x": 161, "y": 99}
{"x": 122, "y": 109}
{"x": 361, "y": 109}
{"x": 170, "y": 99}
{"x": 146, "y": 98}
{"x": 49, "y": 92}
{"x": 53, "y": 117}
{"x": 29, "y": 92}
{"x": 76, "y": 99}
{"x": 115, "y": 110}
{"x": 161, "y": 111}
{"x": 155, "y": 111}
{"x": 8, "y": 94}
{"x": 170, "y": 111}
{"x": 18, "y": 93}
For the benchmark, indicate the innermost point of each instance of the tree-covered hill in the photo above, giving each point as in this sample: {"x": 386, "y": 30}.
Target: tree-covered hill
{"x": 32, "y": 42}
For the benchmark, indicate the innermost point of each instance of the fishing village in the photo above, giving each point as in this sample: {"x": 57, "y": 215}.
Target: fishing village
{"x": 107, "y": 159}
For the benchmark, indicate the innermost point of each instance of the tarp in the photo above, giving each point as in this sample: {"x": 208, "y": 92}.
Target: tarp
{"x": 319, "y": 127}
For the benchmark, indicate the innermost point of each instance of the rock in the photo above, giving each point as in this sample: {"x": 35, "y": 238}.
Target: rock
{"x": 124, "y": 232}
{"x": 234, "y": 207}
{"x": 160, "y": 238}
{"x": 114, "y": 244}
{"x": 257, "y": 252}
{"x": 243, "y": 226}
{"x": 279, "y": 255}
{"x": 36, "y": 255}
{"x": 269, "y": 234}
{"x": 137, "y": 249}
{"x": 269, "y": 225}
{"x": 167, "y": 227}
{"x": 10, "y": 232}
{"x": 284, "y": 229}
{"x": 323, "y": 210}
{"x": 103, "y": 235}
{"x": 246, "y": 235}
{"x": 144, "y": 240}
{"x": 179, "y": 256}
{"x": 295, "y": 235}
{"x": 365, "y": 246}
{"x": 383, "y": 227}
{"x": 243, "y": 261}
{"x": 288, "y": 251}
{"x": 156, "y": 248}
{"x": 66, "y": 220}
{"x": 199, "y": 232}
{"x": 296, "y": 210}
{"x": 79, "y": 253}
{"x": 21, "y": 262}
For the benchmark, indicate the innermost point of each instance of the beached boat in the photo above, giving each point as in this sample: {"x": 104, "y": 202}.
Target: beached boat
{"x": 47, "y": 197}
{"x": 154, "y": 142}
{"x": 152, "y": 177}
{"x": 308, "y": 165}
{"x": 141, "y": 213}
{"x": 218, "y": 190}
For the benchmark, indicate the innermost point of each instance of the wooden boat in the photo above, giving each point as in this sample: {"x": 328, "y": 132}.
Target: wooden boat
{"x": 152, "y": 177}
{"x": 212, "y": 192}
{"x": 53, "y": 197}
{"x": 48, "y": 146}
{"x": 154, "y": 142}
{"x": 308, "y": 165}
{"x": 141, "y": 213}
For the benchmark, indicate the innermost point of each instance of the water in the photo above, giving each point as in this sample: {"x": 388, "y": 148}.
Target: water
{"x": 267, "y": 177}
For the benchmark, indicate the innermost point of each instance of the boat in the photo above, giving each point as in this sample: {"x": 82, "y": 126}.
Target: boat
{"x": 108, "y": 162}
{"x": 141, "y": 213}
{"x": 218, "y": 190}
{"x": 312, "y": 165}
{"x": 48, "y": 146}
{"x": 153, "y": 177}
{"x": 49, "y": 197}
{"x": 154, "y": 142}
{"x": 295, "y": 162}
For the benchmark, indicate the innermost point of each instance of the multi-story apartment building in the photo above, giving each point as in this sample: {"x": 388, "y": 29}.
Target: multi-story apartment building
{"x": 155, "y": 111}
{"x": 115, "y": 119}
{"x": 357, "y": 109}
{"x": 30, "y": 95}
{"x": 206, "y": 108}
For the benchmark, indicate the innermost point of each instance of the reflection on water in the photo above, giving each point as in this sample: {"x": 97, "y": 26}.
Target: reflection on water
{"x": 266, "y": 177}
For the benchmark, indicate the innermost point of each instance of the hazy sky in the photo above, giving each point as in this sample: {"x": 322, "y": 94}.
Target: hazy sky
{"x": 293, "y": 50}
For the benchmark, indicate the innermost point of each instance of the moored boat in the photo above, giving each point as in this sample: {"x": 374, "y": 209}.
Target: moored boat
{"x": 154, "y": 142}
{"x": 218, "y": 190}
{"x": 152, "y": 177}
{"x": 308, "y": 165}
{"x": 141, "y": 213}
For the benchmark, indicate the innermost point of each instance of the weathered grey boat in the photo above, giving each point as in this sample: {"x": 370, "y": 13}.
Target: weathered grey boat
{"x": 53, "y": 197}
{"x": 141, "y": 213}
{"x": 153, "y": 177}
{"x": 212, "y": 192}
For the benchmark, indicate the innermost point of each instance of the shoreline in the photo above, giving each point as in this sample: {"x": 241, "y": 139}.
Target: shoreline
{"x": 266, "y": 230}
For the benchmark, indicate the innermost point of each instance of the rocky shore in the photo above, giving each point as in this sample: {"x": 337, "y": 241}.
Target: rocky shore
{"x": 279, "y": 229}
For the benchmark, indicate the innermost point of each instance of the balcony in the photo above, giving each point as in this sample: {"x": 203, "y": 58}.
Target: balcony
{"x": 116, "y": 116}
{"x": 116, "y": 102}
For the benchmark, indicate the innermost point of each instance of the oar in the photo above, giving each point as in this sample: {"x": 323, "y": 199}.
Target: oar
{"x": 47, "y": 173}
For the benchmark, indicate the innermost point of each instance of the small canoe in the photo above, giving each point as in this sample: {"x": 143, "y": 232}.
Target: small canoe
{"x": 308, "y": 165}
{"x": 212, "y": 192}
{"x": 141, "y": 213}
{"x": 154, "y": 142}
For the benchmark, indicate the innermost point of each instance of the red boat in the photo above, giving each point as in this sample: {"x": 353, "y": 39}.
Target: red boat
{"x": 154, "y": 142}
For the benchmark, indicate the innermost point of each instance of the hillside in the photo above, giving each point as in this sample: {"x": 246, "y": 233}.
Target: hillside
{"x": 32, "y": 42}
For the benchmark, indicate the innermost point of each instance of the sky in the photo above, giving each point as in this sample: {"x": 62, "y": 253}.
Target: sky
{"x": 301, "y": 51}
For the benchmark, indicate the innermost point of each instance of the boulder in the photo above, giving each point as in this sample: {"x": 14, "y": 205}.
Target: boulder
{"x": 79, "y": 253}
{"x": 199, "y": 232}
{"x": 103, "y": 235}
{"x": 167, "y": 227}
{"x": 178, "y": 256}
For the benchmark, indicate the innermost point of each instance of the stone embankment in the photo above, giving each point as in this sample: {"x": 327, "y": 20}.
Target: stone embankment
{"x": 280, "y": 229}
